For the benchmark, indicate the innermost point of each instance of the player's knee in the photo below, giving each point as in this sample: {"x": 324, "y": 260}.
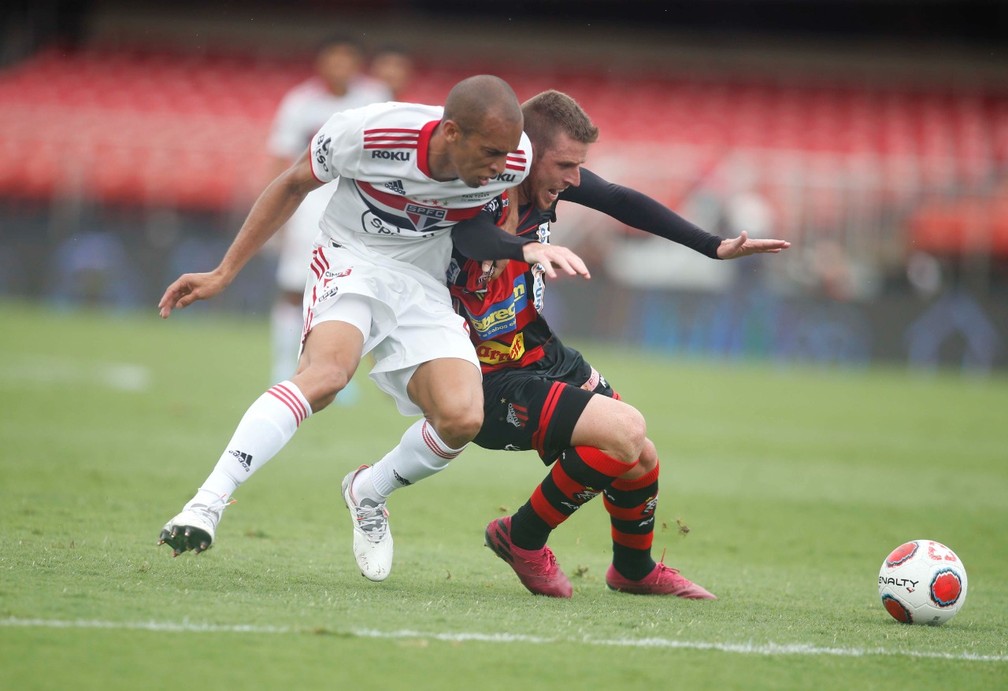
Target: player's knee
{"x": 648, "y": 462}
{"x": 630, "y": 435}
{"x": 334, "y": 379}
{"x": 648, "y": 458}
{"x": 322, "y": 383}
{"x": 458, "y": 426}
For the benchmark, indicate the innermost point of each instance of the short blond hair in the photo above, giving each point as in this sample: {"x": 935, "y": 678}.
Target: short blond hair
{"x": 552, "y": 111}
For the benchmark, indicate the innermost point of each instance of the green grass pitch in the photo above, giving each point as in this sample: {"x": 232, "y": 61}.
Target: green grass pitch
{"x": 794, "y": 484}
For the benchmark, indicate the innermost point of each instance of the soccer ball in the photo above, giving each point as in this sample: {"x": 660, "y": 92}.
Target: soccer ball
{"x": 922, "y": 582}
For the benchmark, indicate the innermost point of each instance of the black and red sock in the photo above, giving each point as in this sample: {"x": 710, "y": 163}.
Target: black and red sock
{"x": 631, "y": 505}
{"x": 577, "y": 476}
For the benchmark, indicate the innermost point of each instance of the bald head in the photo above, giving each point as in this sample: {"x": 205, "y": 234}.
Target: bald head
{"x": 474, "y": 101}
{"x": 482, "y": 123}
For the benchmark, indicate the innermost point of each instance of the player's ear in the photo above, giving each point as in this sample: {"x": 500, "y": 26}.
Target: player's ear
{"x": 452, "y": 131}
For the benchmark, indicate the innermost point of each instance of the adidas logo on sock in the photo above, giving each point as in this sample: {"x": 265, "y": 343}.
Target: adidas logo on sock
{"x": 401, "y": 480}
{"x": 244, "y": 458}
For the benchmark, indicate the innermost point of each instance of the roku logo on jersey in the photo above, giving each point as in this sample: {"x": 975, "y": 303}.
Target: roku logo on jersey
{"x": 392, "y": 155}
{"x": 505, "y": 177}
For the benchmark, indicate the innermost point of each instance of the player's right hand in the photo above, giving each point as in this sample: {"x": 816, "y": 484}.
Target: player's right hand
{"x": 744, "y": 246}
{"x": 552, "y": 257}
{"x": 189, "y": 288}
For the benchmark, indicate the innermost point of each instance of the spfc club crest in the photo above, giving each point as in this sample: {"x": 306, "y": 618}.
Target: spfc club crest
{"x": 424, "y": 217}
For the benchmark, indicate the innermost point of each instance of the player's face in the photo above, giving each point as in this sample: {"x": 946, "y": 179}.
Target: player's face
{"x": 394, "y": 69}
{"x": 555, "y": 169}
{"x": 337, "y": 65}
{"x": 481, "y": 154}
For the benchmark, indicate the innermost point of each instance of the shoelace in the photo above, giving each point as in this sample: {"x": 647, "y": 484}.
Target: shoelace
{"x": 372, "y": 521}
{"x": 216, "y": 509}
{"x": 662, "y": 568}
{"x": 546, "y": 569}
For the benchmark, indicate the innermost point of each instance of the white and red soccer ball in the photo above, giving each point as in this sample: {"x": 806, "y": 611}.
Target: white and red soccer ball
{"x": 922, "y": 582}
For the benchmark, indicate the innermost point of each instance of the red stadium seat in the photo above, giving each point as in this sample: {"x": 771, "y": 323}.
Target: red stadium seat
{"x": 185, "y": 110}
{"x": 970, "y": 226}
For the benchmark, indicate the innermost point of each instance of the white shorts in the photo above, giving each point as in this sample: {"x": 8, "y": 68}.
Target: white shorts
{"x": 298, "y": 238}
{"x": 411, "y": 316}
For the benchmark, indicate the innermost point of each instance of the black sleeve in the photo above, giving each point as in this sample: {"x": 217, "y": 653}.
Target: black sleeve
{"x": 640, "y": 211}
{"x": 479, "y": 238}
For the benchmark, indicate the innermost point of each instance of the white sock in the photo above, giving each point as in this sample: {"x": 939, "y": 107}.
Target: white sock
{"x": 266, "y": 427}
{"x": 286, "y": 325}
{"x": 420, "y": 454}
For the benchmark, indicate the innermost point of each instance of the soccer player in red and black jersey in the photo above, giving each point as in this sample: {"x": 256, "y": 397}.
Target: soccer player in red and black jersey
{"x": 541, "y": 394}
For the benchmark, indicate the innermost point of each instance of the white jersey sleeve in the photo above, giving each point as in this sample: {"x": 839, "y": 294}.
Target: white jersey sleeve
{"x": 337, "y": 148}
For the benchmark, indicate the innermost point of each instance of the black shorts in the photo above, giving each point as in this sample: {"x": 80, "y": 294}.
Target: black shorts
{"x": 537, "y": 407}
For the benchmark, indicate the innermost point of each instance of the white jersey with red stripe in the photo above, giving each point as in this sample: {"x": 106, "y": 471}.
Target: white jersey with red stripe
{"x": 386, "y": 204}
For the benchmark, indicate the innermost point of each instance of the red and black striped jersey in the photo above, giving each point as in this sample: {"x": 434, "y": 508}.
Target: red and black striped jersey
{"x": 505, "y": 321}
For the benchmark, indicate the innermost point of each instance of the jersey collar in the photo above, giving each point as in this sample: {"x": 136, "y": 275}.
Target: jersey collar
{"x": 423, "y": 145}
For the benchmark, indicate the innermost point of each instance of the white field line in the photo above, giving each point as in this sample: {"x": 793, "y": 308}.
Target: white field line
{"x": 122, "y": 376}
{"x": 763, "y": 649}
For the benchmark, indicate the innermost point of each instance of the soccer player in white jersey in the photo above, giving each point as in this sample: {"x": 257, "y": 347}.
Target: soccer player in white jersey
{"x": 337, "y": 85}
{"x": 407, "y": 174}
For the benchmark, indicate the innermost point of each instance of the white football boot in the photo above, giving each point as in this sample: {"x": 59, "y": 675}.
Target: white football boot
{"x": 372, "y": 539}
{"x": 194, "y": 527}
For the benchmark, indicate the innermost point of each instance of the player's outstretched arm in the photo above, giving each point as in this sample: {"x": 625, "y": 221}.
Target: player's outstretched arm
{"x": 270, "y": 211}
{"x": 743, "y": 246}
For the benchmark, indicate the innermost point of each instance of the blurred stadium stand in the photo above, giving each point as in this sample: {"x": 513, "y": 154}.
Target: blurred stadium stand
{"x": 865, "y": 151}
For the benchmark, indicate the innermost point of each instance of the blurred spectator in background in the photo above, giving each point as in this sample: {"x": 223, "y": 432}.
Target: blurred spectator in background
{"x": 339, "y": 84}
{"x": 393, "y": 66}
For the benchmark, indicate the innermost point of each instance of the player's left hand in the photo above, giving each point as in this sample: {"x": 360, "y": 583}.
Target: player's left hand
{"x": 743, "y": 246}
{"x": 492, "y": 269}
